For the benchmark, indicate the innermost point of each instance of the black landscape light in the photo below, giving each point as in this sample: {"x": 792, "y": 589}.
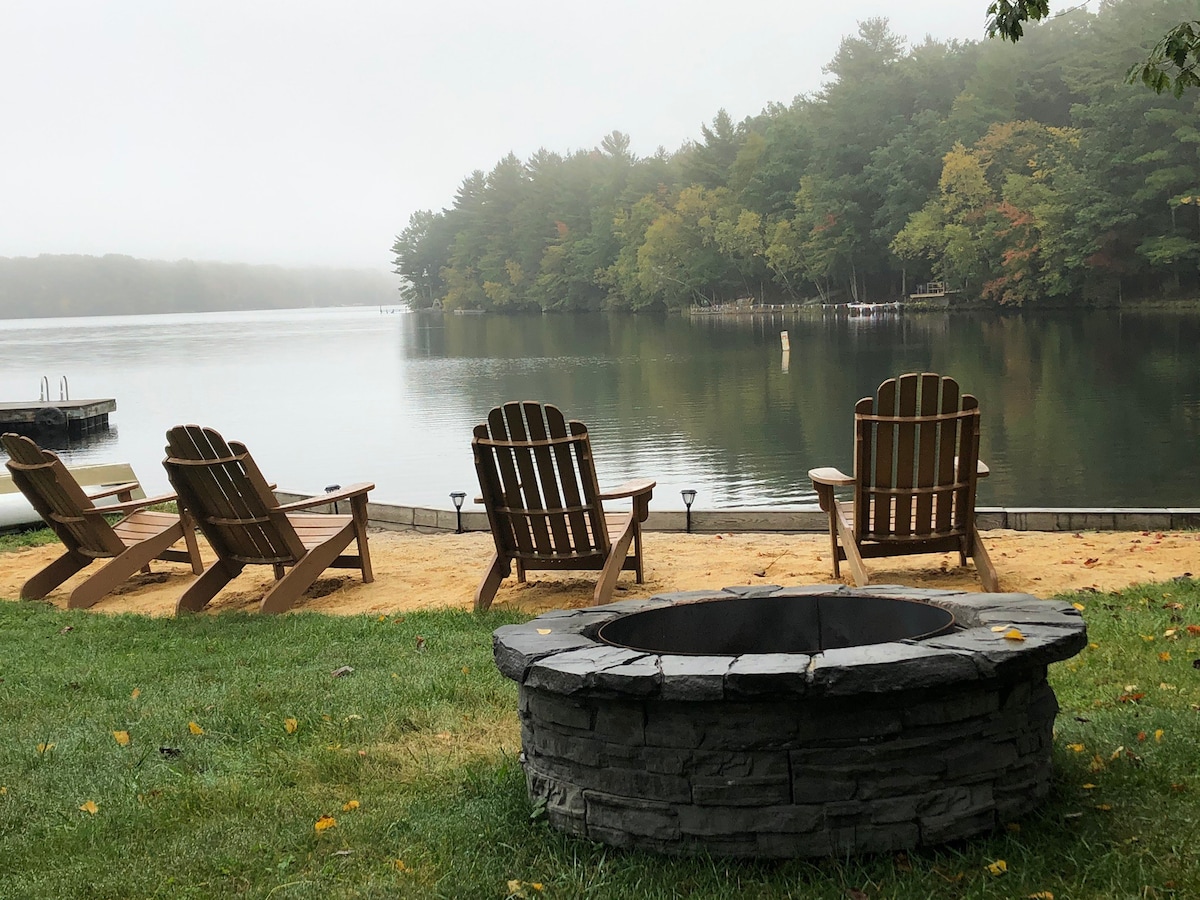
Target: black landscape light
{"x": 458, "y": 497}
{"x": 689, "y": 496}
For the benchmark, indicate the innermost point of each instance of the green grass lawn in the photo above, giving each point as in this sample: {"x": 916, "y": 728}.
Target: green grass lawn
{"x": 241, "y": 738}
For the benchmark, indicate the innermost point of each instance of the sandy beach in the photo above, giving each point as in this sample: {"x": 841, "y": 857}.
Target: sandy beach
{"x": 418, "y": 571}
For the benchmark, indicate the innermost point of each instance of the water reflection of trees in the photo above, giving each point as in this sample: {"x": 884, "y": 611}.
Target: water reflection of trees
{"x": 1092, "y": 409}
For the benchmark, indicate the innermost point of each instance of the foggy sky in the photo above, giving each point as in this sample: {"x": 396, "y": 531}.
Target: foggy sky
{"x": 304, "y": 133}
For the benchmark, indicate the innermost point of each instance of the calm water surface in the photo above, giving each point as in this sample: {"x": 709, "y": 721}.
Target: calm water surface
{"x": 1088, "y": 409}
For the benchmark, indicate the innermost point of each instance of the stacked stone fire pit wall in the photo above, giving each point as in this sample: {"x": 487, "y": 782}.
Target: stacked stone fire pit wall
{"x": 865, "y": 749}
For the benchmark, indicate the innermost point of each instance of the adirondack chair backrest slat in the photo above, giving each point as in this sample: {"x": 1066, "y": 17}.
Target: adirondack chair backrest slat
{"x": 57, "y": 497}
{"x": 916, "y": 449}
{"x": 538, "y": 483}
{"x": 229, "y": 498}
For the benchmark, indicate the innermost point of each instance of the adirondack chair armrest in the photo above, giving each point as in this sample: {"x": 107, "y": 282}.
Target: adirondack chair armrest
{"x": 629, "y": 489}
{"x": 127, "y": 487}
{"x": 128, "y": 506}
{"x": 346, "y": 493}
{"x": 824, "y": 480}
{"x": 830, "y": 476}
{"x": 639, "y": 489}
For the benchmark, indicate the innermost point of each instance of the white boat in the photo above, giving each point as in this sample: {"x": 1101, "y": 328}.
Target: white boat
{"x": 15, "y": 510}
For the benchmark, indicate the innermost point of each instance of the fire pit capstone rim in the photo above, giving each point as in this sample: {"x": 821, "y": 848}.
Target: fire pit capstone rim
{"x": 558, "y": 651}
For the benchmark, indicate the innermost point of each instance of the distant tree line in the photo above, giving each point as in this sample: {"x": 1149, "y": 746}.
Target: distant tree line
{"x": 1016, "y": 175}
{"x": 70, "y": 285}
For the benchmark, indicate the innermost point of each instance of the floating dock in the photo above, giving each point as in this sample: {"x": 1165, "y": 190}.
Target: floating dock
{"x": 75, "y": 417}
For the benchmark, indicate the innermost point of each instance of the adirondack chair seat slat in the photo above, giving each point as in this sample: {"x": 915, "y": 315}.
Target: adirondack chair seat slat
{"x": 129, "y": 545}
{"x": 916, "y": 467}
{"x": 538, "y": 484}
{"x": 236, "y": 509}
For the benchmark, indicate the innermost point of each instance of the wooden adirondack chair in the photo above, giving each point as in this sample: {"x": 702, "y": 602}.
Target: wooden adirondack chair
{"x": 129, "y": 545}
{"x": 543, "y": 502}
{"x": 916, "y": 462}
{"x": 236, "y": 509}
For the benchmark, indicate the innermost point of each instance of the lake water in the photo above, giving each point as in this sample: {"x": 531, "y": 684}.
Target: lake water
{"x": 1087, "y": 409}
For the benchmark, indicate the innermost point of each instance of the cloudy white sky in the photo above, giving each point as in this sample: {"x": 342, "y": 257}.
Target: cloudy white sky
{"x": 306, "y": 133}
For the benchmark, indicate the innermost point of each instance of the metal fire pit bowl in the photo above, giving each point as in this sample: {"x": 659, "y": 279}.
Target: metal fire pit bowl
{"x": 789, "y": 722}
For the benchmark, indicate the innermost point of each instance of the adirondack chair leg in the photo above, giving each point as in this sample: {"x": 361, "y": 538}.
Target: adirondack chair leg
{"x": 983, "y": 563}
{"x": 358, "y": 509}
{"x": 612, "y": 568}
{"x": 637, "y": 552}
{"x": 119, "y": 569}
{"x": 520, "y": 572}
{"x": 285, "y": 592}
{"x": 208, "y": 585}
{"x": 858, "y": 572}
{"x": 833, "y": 543}
{"x": 486, "y": 592}
{"x": 54, "y": 574}
{"x": 188, "y": 524}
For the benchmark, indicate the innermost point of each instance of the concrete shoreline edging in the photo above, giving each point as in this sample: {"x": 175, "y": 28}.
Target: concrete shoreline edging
{"x": 426, "y": 520}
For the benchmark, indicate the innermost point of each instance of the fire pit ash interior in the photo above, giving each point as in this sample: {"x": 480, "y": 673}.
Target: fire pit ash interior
{"x": 785, "y": 722}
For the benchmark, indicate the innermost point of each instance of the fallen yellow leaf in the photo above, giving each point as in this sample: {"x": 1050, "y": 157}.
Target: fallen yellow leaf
{"x": 1013, "y": 635}
{"x": 1104, "y": 807}
{"x": 543, "y": 631}
{"x": 1165, "y": 656}
{"x": 324, "y": 822}
{"x": 1079, "y": 606}
{"x": 1093, "y": 646}
{"x": 3, "y": 790}
{"x": 1116, "y": 754}
{"x": 290, "y": 725}
{"x": 121, "y": 737}
{"x": 1041, "y": 895}
{"x": 194, "y": 728}
{"x": 349, "y": 805}
{"x": 401, "y": 866}
{"x": 1147, "y": 638}
{"x": 381, "y": 619}
{"x": 1078, "y": 748}
{"x": 999, "y": 867}
{"x": 90, "y": 808}
{"x": 45, "y": 748}
{"x": 466, "y": 670}
{"x": 1158, "y": 735}
{"x": 137, "y": 692}
{"x": 1000, "y": 628}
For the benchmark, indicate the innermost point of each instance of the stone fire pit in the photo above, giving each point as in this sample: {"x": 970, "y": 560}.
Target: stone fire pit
{"x": 789, "y": 722}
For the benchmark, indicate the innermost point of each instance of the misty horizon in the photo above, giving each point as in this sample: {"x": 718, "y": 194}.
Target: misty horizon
{"x": 299, "y": 135}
